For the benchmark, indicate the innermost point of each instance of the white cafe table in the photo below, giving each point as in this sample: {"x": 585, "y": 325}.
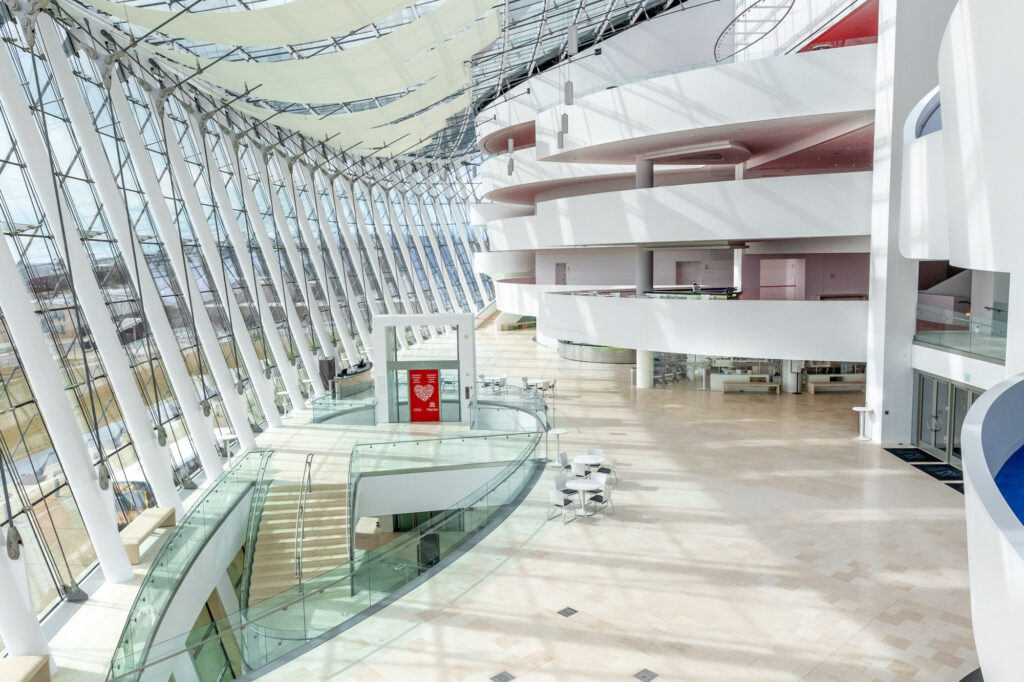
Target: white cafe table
{"x": 583, "y": 485}
{"x": 589, "y": 460}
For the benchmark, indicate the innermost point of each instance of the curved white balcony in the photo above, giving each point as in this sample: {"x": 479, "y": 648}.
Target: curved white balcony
{"x": 669, "y": 42}
{"x": 522, "y": 296}
{"x": 501, "y": 264}
{"x": 824, "y": 205}
{"x": 768, "y": 105}
{"x": 482, "y": 214}
{"x": 786, "y": 330}
{"x": 993, "y": 458}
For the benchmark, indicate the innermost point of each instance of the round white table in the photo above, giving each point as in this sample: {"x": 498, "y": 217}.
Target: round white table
{"x": 589, "y": 460}
{"x": 557, "y": 433}
{"x": 583, "y": 485}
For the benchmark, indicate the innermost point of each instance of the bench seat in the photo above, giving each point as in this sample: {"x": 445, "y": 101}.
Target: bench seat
{"x": 142, "y": 526}
{"x": 813, "y": 386}
{"x": 741, "y": 385}
{"x": 25, "y": 669}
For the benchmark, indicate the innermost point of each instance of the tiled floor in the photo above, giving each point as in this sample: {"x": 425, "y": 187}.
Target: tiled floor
{"x": 753, "y": 540}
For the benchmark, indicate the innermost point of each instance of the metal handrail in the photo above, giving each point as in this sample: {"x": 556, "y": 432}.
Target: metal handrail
{"x": 759, "y": 13}
{"x": 252, "y": 528}
{"x": 300, "y": 513}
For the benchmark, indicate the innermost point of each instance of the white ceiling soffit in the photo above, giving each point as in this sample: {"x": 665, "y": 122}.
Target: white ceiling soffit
{"x": 343, "y": 76}
{"x": 298, "y": 21}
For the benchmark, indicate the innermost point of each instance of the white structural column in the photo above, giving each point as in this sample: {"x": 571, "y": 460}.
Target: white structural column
{"x": 1015, "y": 326}
{"x": 428, "y": 228}
{"x": 404, "y": 249}
{"x": 737, "y": 269}
{"x": 389, "y": 254}
{"x": 644, "y": 283}
{"x": 215, "y": 263}
{"x": 19, "y": 624}
{"x": 644, "y": 369}
{"x": 270, "y": 257}
{"x": 644, "y": 173}
{"x": 315, "y": 257}
{"x": 906, "y": 70}
{"x": 463, "y": 230}
{"x": 443, "y": 229}
{"x": 156, "y": 460}
{"x": 299, "y": 270}
{"x": 364, "y": 235}
{"x": 334, "y": 250}
{"x": 94, "y": 505}
{"x": 418, "y": 245}
{"x": 199, "y": 427}
{"x": 207, "y": 337}
{"x": 271, "y": 335}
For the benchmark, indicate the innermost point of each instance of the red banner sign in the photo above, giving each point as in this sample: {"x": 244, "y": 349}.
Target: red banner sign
{"x": 424, "y": 396}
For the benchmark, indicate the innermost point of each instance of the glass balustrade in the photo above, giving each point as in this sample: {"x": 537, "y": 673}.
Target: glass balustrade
{"x": 356, "y": 410}
{"x": 320, "y": 603}
{"x": 962, "y": 332}
{"x": 172, "y": 562}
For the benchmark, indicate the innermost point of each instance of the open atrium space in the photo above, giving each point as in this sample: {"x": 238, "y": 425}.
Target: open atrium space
{"x": 494, "y": 340}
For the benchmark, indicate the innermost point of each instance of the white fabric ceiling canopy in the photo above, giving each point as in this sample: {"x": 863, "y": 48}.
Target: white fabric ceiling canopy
{"x": 343, "y": 76}
{"x": 298, "y": 21}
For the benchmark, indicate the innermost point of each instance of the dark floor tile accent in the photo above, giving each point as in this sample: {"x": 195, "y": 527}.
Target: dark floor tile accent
{"x": 913, "y": 455}
{"x": 645, "y": 675}
{"x": 943, "y": 472}
{"x": 959, "y": 487}
{"x": 503, "y": 677}
{"x": 974, "y": 677}
{"x": 568, "y": 611}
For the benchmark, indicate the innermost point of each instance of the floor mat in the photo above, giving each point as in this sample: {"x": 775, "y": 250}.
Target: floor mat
{"x": 943, "y": 472}
{"x": 914, "y": 456}
{"x": 959, "y": 487}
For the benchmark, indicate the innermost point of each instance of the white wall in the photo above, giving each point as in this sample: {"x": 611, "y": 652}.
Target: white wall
{"x": 827, "y": 205}
{"x": 959, "y": 368}
{"x": 497, "y": 264}
{"x": 980, "y": 73}
{"x": 419, "y": 491}
{"x": 924, "y": 213}
{"x": 787, "y": 330}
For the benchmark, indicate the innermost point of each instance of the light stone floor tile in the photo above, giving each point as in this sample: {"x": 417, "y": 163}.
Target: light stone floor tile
{"x": 753, "y": 540}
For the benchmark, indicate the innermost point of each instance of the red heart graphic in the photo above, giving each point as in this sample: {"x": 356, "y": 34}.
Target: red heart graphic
{"x": 423, "y": 391}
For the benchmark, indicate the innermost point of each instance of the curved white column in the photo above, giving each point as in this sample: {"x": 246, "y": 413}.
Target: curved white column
{"x": 48, "y": 386}
{"x": 439, "y": 285}
{"x": 389, "y": 256}
{"x": 924, "y": 200}
{"x": 211, "y": 252}
{"x": 396, "y": 228}
{"x": 207, "y": 337}
{"x": 292, "y": 252}
{"x": 271, "y": 335}
{"x": 270, "y": 257}
{"x": 19, "y": 624}
{"x": 156, "y": 460}
{"x": 316, "y": 255}
{"x": 785, "y": 330}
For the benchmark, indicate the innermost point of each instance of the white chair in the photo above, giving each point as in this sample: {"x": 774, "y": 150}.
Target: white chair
{"x": 580, "y": 470}
{"x": 542, "y": 386}
{"x": 602, "y": 480}
{"x": 558, "y": 501}
{"x": 552, "y": 386}
{"x": 563, "y": 460}
{"x": 560, "y": 485}
{"x": 604, "y": 501}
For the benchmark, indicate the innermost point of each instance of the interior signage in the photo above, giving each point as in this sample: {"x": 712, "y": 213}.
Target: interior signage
{"x": 424, "y": 396}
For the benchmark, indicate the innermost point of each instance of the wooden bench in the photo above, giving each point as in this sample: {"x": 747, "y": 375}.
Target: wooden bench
{"x": 740, "y": 385}
{"x": 25, "y": 669}
{"x": 813, "y": 386}
{"x": 518, "y": 325}
{"x": 142, "y": 526}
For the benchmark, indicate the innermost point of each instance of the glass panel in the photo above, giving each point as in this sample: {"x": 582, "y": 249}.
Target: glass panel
{"x": 975, "y": 334}
{"x": 961, "y": 403}
{"x": 941, "y": 414}
{"x": 926, "y": 410}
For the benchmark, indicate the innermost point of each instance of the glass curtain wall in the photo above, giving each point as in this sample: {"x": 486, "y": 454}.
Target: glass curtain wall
{"x": 423, "y": 238}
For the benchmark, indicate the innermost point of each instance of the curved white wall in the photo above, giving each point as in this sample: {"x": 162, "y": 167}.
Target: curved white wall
{"x": 924, "y": 213}
{"x": 497, "y": 264}
{"x": 791, "y": 86}
{"x": 785, "y": 330}
{"x": 991, "y": 433}
{"x": 827, "y": 205}
{"x": 980, "y": 77}
{"x": 482, "y": 214}
{"x": 523, "y": 298}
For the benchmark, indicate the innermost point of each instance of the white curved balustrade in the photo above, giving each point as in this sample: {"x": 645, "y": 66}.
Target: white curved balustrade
{"x": 992, "y": 434}
{"x": 832, "y": 91}
{"x": 503, "y": 264}
{"x": 826, "y": 205}
{"x": 786, "y": 330}
{"x": 523, "y": 296}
